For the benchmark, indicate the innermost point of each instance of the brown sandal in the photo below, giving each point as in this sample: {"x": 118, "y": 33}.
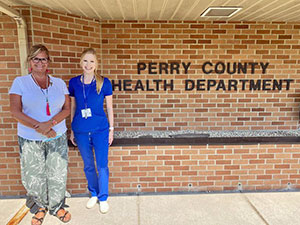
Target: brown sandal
{"x": 62, "y": 218}
{"x": 41, "y": 219}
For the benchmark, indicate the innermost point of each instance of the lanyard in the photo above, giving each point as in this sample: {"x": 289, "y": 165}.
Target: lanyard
{"x": 83, "y": 91}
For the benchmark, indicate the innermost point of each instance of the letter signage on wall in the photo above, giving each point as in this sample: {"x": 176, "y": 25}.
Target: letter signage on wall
{"x": 207, "y": 68}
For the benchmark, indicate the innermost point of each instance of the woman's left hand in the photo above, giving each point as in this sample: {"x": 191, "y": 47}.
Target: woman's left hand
{"x": 51, "y": 134}
{"x": 110, "y": 137}
{"x": 43, "y": 127}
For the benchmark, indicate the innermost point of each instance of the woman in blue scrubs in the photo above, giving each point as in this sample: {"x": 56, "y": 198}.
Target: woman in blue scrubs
{"x": 91, "y": 129}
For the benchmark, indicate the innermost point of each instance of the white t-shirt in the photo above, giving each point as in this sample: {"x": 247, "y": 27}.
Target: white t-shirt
{"x": 34, "y": 104}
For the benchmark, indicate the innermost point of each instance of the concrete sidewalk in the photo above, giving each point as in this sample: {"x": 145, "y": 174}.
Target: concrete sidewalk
{"x": 274, "y": 208}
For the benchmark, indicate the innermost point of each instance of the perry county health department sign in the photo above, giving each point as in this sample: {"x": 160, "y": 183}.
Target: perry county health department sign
{"x": 208, "y": 68}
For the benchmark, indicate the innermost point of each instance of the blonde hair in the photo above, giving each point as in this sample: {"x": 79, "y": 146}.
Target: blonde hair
{"x": 36, "y": 49}
{"x": 99, "y": 78}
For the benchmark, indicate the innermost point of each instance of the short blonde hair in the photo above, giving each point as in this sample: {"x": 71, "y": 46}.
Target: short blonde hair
{"x": 99, "y": 78}
{"x": 35, "y": 50}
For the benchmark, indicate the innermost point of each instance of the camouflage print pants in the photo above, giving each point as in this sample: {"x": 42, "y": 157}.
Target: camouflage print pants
{"x": 44, "y": 171}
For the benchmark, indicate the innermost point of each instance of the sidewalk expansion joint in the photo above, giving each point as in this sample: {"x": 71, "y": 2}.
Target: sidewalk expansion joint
{"x": 138, "y": 209}
{"x": 255, "y": 209}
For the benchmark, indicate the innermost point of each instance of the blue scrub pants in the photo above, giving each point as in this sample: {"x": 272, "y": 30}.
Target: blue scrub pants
{"x": 86, "y": 142}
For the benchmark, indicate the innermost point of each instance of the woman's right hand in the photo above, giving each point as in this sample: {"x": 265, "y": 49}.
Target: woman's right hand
{"x": 72, "y": 138}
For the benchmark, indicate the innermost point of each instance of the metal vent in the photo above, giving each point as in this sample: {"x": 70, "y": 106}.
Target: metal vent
{"x": 220, "y": 11}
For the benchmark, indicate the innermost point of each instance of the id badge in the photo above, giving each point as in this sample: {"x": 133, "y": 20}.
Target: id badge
{"x": 85, "y": 113}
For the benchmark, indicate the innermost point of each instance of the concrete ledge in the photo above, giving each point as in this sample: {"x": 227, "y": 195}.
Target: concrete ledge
{"x": 195, "y": 137}
{"x": 202, "y": 141}
{"x": 205, "y": 141}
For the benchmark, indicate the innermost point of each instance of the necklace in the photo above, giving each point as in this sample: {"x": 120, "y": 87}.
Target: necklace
{"x": 48, "y": 111}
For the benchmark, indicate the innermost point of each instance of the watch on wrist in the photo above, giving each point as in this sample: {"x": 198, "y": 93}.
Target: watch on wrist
{"x": 111, "y": 128}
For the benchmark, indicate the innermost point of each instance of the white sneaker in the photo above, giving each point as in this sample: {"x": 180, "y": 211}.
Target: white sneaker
{"x": 103, "y": 207}
{"x": 91, "y": 202}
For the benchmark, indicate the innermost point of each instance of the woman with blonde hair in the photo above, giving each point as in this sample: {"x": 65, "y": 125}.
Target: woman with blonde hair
{"x": 40, "y": 103}
{"x": 91, "y": 130}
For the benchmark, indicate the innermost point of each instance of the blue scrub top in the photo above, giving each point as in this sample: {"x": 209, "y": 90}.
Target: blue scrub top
{"x": 98, "y": 121}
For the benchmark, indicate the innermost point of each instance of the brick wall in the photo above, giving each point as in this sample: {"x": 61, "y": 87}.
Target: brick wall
{"x": 127, "y": 43}
{"x": 9, "y": 67}
{"x": 205, "y": 167}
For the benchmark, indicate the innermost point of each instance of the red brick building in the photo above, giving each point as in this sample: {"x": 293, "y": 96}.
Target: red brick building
{"x": 172, "y": 75}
